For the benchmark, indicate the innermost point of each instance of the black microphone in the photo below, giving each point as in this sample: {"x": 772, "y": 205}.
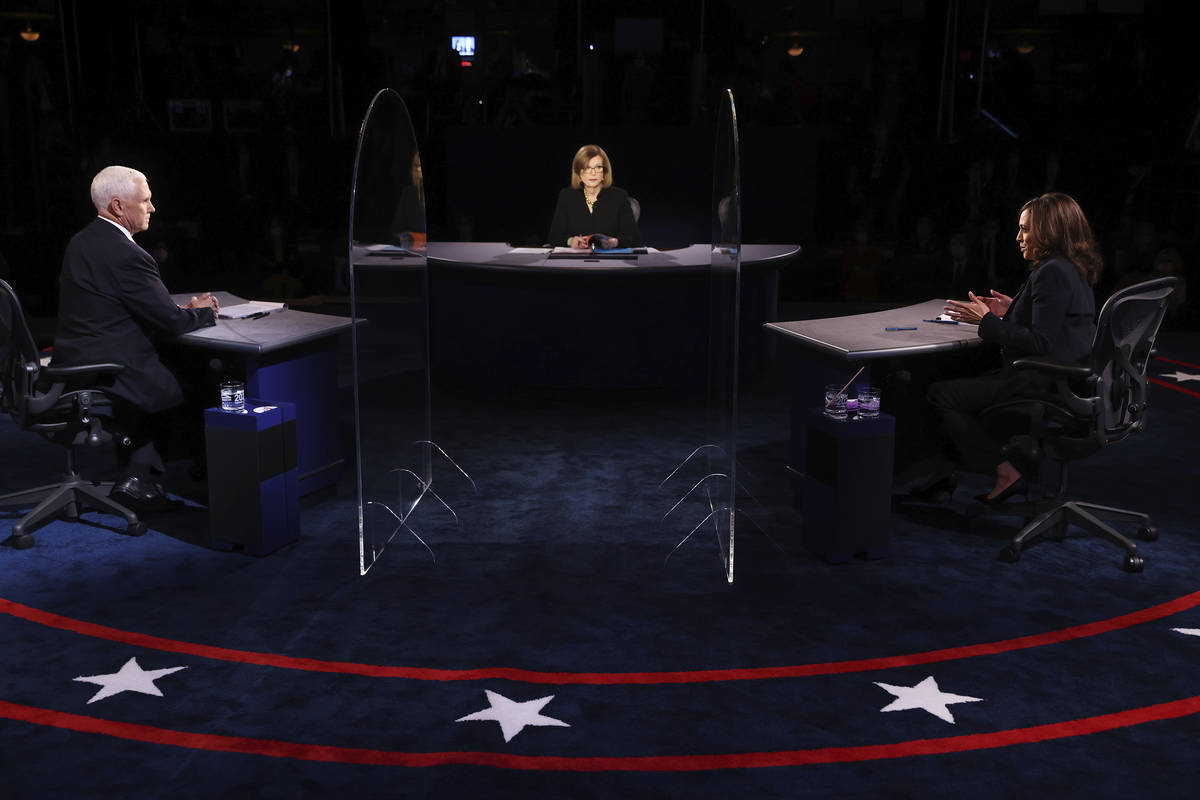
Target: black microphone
{"x": 596, "y": 240}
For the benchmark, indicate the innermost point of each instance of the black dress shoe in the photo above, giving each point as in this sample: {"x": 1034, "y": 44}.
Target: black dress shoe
{"x": 1019, "y": 486}
{"x": 141, "y": 494}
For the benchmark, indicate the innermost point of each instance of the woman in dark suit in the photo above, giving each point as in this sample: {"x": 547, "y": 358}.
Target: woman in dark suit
{"x": 592, "y": 205}
{"x": 1053, "y": 315}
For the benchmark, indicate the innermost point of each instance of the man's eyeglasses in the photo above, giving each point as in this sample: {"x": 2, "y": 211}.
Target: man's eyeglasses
{"x": 593, "y": 169}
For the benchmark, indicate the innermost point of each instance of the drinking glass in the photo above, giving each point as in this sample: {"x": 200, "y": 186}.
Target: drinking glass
{"x": 233, "y": 396}
{"x": 868, "y": 402}
{"x": 835, "y": 401}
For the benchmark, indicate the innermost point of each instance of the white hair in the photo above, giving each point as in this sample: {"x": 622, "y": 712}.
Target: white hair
{"x": 113, "y": 182}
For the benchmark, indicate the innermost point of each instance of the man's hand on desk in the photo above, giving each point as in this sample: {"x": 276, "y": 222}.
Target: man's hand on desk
{"x": 205, "y": 300}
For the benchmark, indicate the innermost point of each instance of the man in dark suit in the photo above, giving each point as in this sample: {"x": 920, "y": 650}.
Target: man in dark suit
{"x": 112, "y": 306}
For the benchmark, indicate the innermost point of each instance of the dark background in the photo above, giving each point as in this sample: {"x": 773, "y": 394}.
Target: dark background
{"x": 895, "y": 111}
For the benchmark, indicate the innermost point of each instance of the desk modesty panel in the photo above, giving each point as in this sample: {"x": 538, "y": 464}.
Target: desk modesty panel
{"x": 518, "y": 316}
{"x": 864, "y": 337}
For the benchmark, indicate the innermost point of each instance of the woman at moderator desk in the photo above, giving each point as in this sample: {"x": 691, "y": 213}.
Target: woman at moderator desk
{"x": 592, "y": 205}
{"x": 1053, "y": 314}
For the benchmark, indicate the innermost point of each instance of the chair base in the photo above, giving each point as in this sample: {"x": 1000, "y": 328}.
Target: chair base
{"x": 66, "y": 498}
{"x": 1053, "y": 524}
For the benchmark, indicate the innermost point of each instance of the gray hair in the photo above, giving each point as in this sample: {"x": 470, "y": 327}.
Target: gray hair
{"x": 113, "y": 182}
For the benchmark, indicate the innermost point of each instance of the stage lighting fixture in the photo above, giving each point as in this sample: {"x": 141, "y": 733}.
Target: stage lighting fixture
{"x": 29, "y": 34}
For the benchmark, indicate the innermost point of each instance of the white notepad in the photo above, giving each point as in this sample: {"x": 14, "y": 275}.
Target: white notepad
{"x": 249, "y": 309}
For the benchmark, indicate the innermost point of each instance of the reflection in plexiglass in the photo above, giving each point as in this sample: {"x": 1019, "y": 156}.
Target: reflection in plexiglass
{"x": 388, "y": 287}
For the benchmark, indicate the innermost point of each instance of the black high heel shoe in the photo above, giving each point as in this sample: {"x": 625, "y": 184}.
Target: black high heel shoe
{"x": 1019, "y": 486}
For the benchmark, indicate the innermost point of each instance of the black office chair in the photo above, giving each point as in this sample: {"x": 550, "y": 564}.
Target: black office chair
{"x": 39, "y": 400}
{"x": 636, "y": 208}
{"x": 1088, "y": 407}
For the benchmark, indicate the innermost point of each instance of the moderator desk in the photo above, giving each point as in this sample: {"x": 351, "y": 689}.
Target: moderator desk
{"x": 524, "y": 316}
{"x": 289, "y": 356}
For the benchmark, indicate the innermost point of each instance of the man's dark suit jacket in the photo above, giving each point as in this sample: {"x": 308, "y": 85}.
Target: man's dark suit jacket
{"x": 611, "y": 215}
{"x": 1053, "y": 315}
{"x": 112, "y": 305}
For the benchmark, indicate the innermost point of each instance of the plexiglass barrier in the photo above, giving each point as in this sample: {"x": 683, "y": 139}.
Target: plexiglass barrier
{"x": 388, "y": 281}
{"x": 709, "y": 473}
{"x": 725, "y": 285}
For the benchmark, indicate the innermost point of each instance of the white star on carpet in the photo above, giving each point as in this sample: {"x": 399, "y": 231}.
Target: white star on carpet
{"x": 1180, "y": 377}
{"x": 130, "y": 678}
{"x": 926, "y": 696}
{"x": 514, "y": 716}
{"x": 1187, "y": 631}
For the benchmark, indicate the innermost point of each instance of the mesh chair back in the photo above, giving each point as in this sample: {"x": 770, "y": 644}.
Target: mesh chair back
{"x": 18, "y": 353}
{"x": 1125, "y": 335}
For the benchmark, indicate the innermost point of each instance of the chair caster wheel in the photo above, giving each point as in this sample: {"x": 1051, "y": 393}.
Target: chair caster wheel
{"x": 1134, "y": 563}
{"x": 20, "y": 541}
{"x": 1147, "y": 533}
{"x": 1010, "y": 554}
{"x": 136, "y": 529}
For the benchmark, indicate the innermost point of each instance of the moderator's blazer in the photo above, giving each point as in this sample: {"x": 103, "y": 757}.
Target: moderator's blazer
{"x": 611, "y": 215}
{"x": 1053, "y": 315}
{"x": 112, "y": 306}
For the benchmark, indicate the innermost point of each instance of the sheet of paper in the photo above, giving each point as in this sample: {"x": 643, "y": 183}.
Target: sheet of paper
{"x": 249, "y": 309}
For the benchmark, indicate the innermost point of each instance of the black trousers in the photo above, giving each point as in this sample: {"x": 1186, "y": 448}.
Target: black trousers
{"x": 960, "y": 402}
{"x": 141, "y": 439}
{"x": 920, "y": 438}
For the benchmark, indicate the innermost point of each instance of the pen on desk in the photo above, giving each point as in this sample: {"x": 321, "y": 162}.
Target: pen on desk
{"x": 901, "y": 328}
{"x": 942, "y": 321}
{"x": 259, "y": 315}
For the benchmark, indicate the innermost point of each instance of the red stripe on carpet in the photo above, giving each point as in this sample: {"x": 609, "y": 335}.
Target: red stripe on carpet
{"x": 677, "y": 763}
{"x": 1180, "y": 363}
{"x": 1175, "y": 386}
{"x": 51, "y": 620}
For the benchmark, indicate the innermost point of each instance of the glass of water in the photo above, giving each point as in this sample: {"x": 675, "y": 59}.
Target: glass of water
{"x": 835, "y": 401}
{"x": 868, "y": 402}
{"x": 233, "y": 396}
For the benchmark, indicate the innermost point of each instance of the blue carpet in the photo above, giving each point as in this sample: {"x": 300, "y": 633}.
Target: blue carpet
{"x": 302, "y": 679}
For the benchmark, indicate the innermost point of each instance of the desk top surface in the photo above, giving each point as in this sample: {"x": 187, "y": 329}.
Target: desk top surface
{"x": 861, "y": 337}
{"x": 275, "y": 331}
{"x": 501, "y": 256}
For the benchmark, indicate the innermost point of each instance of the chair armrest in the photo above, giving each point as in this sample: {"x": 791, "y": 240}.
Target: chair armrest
{"x": 1051, "y": 367}
{"x": 55, "y": 372}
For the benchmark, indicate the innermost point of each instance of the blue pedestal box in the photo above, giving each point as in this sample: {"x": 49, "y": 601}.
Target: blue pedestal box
{"x": 847, "y": 485}
{"x": 253, "y": 480}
